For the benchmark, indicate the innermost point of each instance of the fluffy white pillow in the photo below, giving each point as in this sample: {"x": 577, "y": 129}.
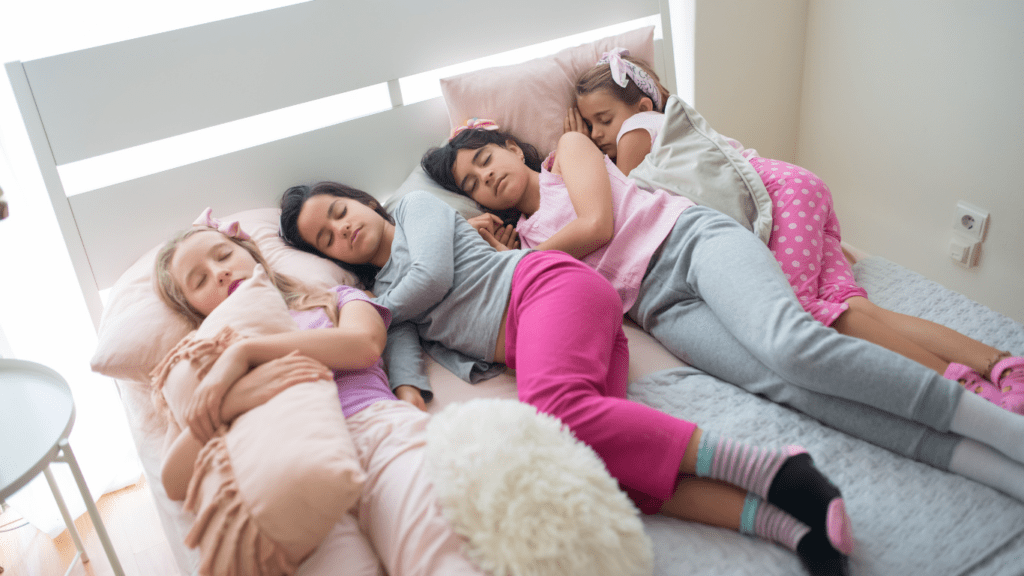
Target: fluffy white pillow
{"x": 529, "y": 497}
{"x": 530, "y": 99}
{"x": 137, "y": 329}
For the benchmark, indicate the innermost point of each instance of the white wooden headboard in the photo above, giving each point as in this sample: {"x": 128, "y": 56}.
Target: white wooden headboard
{"x": 93, "y": 102}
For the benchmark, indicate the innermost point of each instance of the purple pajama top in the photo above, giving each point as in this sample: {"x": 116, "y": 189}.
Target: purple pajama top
{"x": 357, "y": 389}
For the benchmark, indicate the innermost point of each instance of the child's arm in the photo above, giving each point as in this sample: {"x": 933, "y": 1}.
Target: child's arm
{"x": 259, "y": 385}
{"x": 429, "y": 228}
{"x": 582, "y": 168}
{"x": 179, "y": 463}
{"x": 357, "y": 342}
{"x": 631, "y": 149}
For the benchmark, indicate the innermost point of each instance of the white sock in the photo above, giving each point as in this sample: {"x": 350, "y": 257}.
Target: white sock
{"x": 982, "y": 464}
{"x": 987, "y": 423}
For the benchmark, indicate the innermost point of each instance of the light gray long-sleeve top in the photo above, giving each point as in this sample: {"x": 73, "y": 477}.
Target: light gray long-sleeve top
{"x": 447, "y": 290}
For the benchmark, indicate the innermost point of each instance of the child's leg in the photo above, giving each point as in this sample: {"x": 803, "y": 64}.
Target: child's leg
{"x": 786, "y": 478}
{"x": 857, "y": 322}
{"x": 564, "y": 338}
{"x": 944, "y": 343}
{"x": 398, "y": 509}
{"x": 805, "y": 239}
{"x": 711, "y": 262}
{"x": 721, "y": 504}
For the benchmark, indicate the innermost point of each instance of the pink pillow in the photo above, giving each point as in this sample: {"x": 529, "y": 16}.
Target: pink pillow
{"x": 267, "y": 490}
{"x": 530, "y": 99}
{"x": 137, "y": 329}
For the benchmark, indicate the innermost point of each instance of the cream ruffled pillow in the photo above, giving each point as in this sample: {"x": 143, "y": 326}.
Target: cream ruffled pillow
{"x": 268, "y": 489}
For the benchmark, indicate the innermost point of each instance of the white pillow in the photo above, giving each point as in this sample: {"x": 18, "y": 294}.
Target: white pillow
{"x": 690, "y": 159}
{"x": 418, "y": 180}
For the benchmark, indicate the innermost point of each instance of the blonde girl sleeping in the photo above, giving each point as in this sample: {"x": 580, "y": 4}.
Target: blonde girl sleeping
{"x": 341, "y": 337}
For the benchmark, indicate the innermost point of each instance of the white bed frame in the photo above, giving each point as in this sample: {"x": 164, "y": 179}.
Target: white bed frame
{"x": 110, "y": 98}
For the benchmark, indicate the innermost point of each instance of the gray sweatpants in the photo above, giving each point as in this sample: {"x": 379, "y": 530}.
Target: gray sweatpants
{"x": 716, "y": 298}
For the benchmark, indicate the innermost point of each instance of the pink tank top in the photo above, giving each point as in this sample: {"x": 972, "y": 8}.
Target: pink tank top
{"x": 642, "y": 222}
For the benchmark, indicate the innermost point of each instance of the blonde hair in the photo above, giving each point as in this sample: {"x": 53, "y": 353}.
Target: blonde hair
{"x": 600, "y": 78}
{"x": 297, "y": 296}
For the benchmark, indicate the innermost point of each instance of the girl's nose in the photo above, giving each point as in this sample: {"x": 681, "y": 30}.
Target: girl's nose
{"x": 223, "y": 275}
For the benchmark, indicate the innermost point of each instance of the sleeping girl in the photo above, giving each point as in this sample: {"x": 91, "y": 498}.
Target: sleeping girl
{"x": 559, "y": 325}
{"x": 619, "y": 103}
{"x": 712, "y": 293}
{"x": 341, "y": 336}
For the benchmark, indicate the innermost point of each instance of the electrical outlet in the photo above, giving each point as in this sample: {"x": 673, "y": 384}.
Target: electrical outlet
{"x": 970, "y": 220}
{"x": 964, "y": 250}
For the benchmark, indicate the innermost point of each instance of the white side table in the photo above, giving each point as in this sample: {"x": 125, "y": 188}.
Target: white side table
{"x": 37, "y": 412}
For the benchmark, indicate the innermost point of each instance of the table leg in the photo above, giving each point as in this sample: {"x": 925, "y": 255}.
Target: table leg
{"x": 68, "y": 520}
{"x": 90, "y": 505}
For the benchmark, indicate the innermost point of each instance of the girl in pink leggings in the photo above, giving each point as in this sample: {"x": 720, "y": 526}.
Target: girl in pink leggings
{"x": 619, "y": 104}
{"x": 558, "y": 323}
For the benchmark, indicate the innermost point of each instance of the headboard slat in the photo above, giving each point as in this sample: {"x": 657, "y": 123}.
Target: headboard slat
{"x": 113, "y": 97}
{"x": 390, "y": 142}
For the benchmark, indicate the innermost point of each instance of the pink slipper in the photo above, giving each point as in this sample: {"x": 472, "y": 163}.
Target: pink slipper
{"x": 973, "y": 382}
{"x": 1009, "y": 380}
{"x": 1008, "y": 375}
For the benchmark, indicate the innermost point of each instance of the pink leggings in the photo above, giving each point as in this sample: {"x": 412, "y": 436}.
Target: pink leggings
{"x": 805, "y": 239}
{"x": 564, "y": 338}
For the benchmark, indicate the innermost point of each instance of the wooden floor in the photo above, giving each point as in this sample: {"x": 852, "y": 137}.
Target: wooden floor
{"x": 131, "y": 520}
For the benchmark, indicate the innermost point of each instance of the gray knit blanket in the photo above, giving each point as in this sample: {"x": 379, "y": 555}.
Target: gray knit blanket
{"x": 908, "y": 518}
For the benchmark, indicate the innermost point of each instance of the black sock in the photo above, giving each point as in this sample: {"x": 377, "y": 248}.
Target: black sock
{"x": 802, "y": 490}
{"x": 819, "y": 557}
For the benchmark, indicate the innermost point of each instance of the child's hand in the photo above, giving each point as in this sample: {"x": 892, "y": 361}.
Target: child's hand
{"x": 203, "y": 412}
{"x": 411, "y": 394}
{"x": 574, "y": 122}
{"x": 485, "y": 221}
{"x": 268, "y": 380}
{"x": 506, "y": 238}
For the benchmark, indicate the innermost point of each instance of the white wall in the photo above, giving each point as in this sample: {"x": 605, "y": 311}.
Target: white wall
{"x": 748, "y": 71}
{"x": 906, "y": 107}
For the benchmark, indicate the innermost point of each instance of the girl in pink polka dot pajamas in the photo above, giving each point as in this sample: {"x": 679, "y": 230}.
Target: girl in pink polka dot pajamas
{"x": 621, "y": 118}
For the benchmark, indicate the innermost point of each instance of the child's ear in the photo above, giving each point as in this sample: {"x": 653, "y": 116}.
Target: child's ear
{"x": 513, "y": 147}
{"x": 646, "y": 104}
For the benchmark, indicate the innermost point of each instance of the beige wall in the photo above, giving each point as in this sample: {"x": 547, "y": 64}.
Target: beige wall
{"x": 748, "y": 69}
{"x": 906, "y": 107}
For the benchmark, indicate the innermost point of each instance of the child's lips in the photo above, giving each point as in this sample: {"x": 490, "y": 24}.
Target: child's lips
{"x": 234, "y": 286}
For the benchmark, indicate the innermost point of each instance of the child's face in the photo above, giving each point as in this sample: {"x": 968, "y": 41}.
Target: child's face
{"x": 494, "y": 176}
{"x": 605, "y": 114}
{"x": 208, "y": 267}
{"x": 345, "y": 229}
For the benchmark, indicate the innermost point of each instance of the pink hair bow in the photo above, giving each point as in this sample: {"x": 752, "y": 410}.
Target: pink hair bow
{"x": 228, "y": 228}
{"x": 622, "y": 71}
{"x": 473, "y": 123}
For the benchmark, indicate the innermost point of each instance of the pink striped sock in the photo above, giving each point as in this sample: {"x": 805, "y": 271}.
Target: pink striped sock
{"x": 771, "y": 523}
{"x": 743, "y": 465}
